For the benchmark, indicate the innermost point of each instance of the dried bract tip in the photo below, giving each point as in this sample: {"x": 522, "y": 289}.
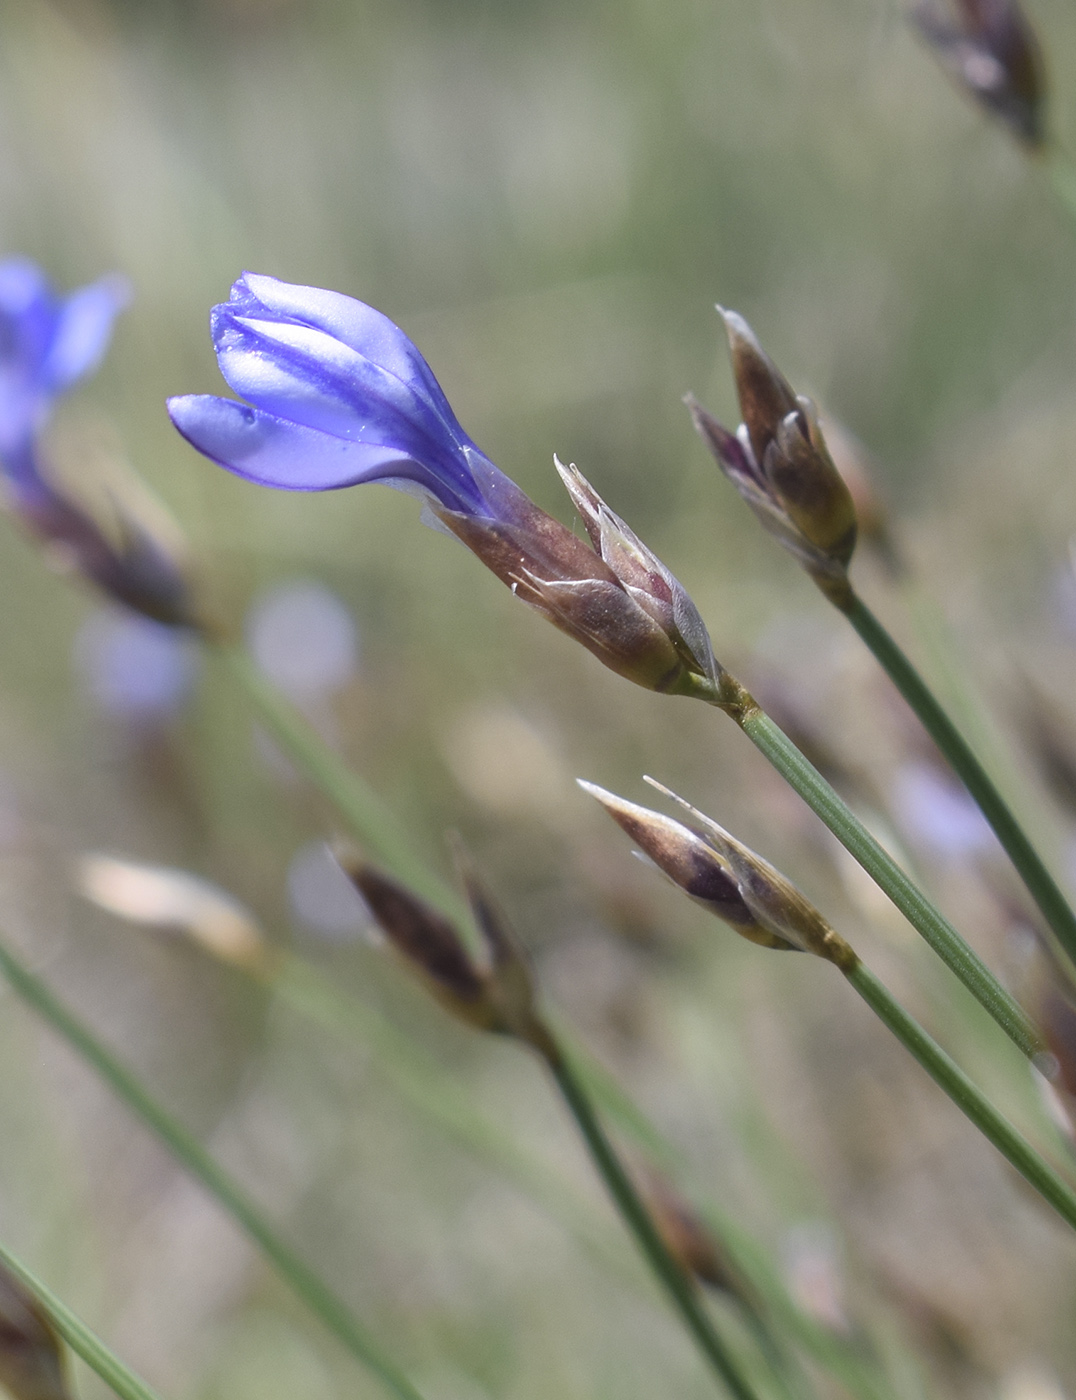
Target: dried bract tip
{"x": 495, "y": 994}
{"x": 690, "y": 861}
{"x": 775, "y": 902}
{"x": 31, "y": 1356}
{"x": 779, "y": 463}
{"x": 766, "y": 397}
{"x": 727, "y": 878}
{"x": 160, "y": 897}
{"x": 646, "y": 579}
{"x": 992, "y": 52}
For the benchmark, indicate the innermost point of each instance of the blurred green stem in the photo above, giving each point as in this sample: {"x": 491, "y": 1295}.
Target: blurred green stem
{"x": 970, "y": 1100}
{"x": 371, "y": 820}
{"x": 776, "y": 746}
{"x": 1062, "y": 177}
{"x": 189, "y": 1151}
{"x": 80, "y": 1338}
{"x": 677, "y": 1283}
{"x": 1039, "y": 882}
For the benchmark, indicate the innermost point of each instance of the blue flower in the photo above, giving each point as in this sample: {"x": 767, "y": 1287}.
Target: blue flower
{"x": 337, "y": 395}
{"x": 340, "y": 396}
{"x": 47, "y": 344}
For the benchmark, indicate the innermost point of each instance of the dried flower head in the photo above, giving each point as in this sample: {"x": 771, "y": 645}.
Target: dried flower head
{"x": 992, "y": 52}
{"x": 340, "y": 396}
{"x": 492, "y": 992}
{"x": 31, "y": 1356}
{"x": 778, "y": 461}
{"x": 727, "y": 877}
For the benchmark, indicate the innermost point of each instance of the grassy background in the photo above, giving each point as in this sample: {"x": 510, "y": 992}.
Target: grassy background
{"x": 549, "y": 198}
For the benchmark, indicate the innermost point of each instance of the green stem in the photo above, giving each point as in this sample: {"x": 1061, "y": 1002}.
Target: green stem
{"x": 970, "y": 1100}
{"x": 369, "y": 817}
{"x": 1040, "y": 884}
{"x": 80, "y": 1338}
{"x": 189, "y": 1151}
{"x": 637, "y": 1218}
{"x": 1062, "y": 177}
{"x": 887, "y": 874}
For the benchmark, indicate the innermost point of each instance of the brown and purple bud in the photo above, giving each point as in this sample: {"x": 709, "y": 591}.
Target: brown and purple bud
{"x": 491, "y": 992}
{"x": 135, "y": 559}
{"x": 727, "y": 878}
{"x": 31, "y": 1356}
{"x": 992, "y": 52}
{"x": 689, "y": 1239}
{"x": 779, "y": 463}
{"x": 613, "y": 595}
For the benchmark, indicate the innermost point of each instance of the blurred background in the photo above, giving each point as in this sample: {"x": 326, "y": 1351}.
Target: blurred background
{"x": 549, "y": 198}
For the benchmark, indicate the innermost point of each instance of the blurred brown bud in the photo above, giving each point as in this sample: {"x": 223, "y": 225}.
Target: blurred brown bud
{"x": 689, "y": 1239}
{"x": 859, "y": 471}
{"x": 991, "y": 50}
{"x": 128, "y": 548}
{"x": 727, "y": 878}
{"x": 31, "y": 1356}
{"x": 779, "y": 463}
{"x": 492, "y": 993}
{"x": 616, "y": 597}
{"x": 161, "y": 897}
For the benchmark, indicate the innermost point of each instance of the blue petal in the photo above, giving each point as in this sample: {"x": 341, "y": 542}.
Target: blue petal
{"x": 28, "y": 315}
{"x": 272, "y": 452}
{"x": 353, "y": 322}
{"x": 83, "y": 331}
{"x": 306, "y": 376}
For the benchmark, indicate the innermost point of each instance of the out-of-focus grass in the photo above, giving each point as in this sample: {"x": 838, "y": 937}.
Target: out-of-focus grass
{"x": 549, "y": 198}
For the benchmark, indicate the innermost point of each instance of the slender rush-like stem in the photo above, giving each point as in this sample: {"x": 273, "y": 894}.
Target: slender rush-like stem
{"x": 189, "y": 1151}
{"x": 371, "y": 820}
{"x": 969, "y": 1099}
{"x": 637, "y": 1218}
{"x": 1040, "y": 884}
{"x": 772, "y": 742}
{"x": 81, "y": 1339}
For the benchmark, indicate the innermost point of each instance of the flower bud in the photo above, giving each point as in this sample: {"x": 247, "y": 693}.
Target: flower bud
{"x": 993, "y": 54}
{"x": 133, "y": 563}
{"x": 690, "y": 861}
{"x": 491, "y": 993}
{"x": 689, "y": 1239}
{"x": 616, "y": 598}
{"x": 31, "y": 1356}
{"x": 779, "y": 463}
{"x": 727, "y": 878}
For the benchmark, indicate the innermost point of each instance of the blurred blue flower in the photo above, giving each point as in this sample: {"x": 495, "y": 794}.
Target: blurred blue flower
{"x": 135, "y": 669}
{"x": 337, "y": 395}
{"x": 47, "y": 344}
{"x": 304, "y": 639}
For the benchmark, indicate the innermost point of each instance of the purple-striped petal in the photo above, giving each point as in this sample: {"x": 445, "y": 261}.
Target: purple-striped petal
{"x": 305, "y": 375}
{"x": 352, "y": 322}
